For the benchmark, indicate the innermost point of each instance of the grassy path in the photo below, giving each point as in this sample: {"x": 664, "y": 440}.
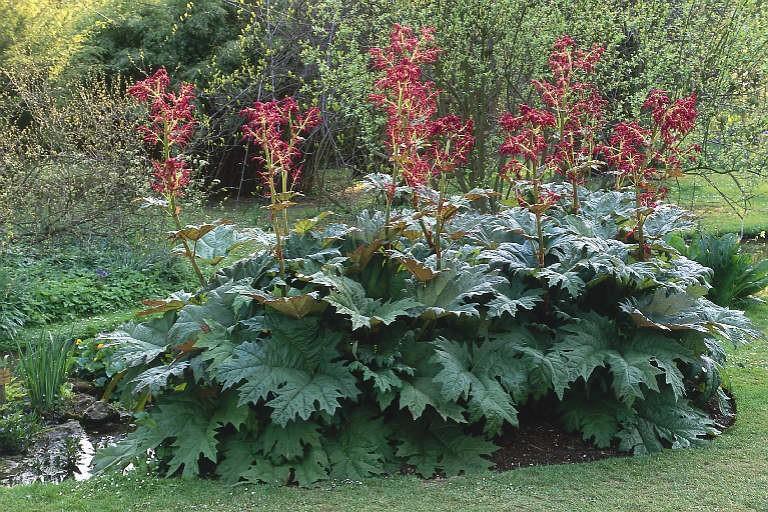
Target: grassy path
{"x": 730, "y": 475}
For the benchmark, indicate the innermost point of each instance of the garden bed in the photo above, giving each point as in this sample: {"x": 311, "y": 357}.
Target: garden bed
{"x": 65, "y": 449}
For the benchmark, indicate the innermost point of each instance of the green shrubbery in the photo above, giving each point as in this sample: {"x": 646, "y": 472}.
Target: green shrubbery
{"x": 359, "y": 362}
{"x": 67, "y": 284}
{"x": 736, "y": 276}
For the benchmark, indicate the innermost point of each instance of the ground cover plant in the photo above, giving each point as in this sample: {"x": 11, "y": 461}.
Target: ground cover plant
{"x": 736, "y": 276}
{"x": 412, "y": 338}
{"x": 52, "y": 284}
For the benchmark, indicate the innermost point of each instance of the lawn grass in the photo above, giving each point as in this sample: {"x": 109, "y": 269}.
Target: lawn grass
{"x": 730, "y": 474}
{"x": 714, "y": 212}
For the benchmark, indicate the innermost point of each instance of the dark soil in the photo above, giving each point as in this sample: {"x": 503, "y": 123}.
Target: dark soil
{"x": 536, "y": 444}
{"x": 541, "y": 441}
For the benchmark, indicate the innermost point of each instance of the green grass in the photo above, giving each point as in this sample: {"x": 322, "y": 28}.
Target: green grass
{"x": 81, "y": 328}
{"x": 730, "y": 474}
{"x": 714, "y": 211}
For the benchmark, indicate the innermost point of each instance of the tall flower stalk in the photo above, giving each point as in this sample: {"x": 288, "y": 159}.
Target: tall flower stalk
{"x": 645, "y": 158}
{"x": 422, "y": 146}
{"x": 278, "y": 129}
{"x": 170, "y": 127}
{"x": 562, "y": 133}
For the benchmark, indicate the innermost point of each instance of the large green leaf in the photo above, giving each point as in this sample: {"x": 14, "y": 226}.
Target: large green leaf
{"x": 155, "y": 379}
{"x": 254, "y": 270}
{"x": 348, "y": 297}
{"x": 595, "y": 342}
{"x": 443, "y": 447}
{"x": 417, "y": 394}
{"x": 307, "y": 393}
{"x": 512, "y": 297}
{"x": 239, "y": 452}
{"x": 454, "y": 290}
{"x": 193, "y": 320}
{"x": 662, "y": 421}
{"x": 188, "y": 422}
{"x": 597, "y": 417}
{"x": 290, "y": 441}
{"x": 216, "y": 243}
{"x": 273, "y": 371}
{"x": 470, "y": 372}
{"x": 140, "y": 343}
{"x": 360, "y": 448}
{"x": 677, "y": 311}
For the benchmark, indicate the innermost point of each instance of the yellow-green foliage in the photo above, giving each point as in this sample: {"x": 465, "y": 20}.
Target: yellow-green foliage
{"x": 45, "y": 32}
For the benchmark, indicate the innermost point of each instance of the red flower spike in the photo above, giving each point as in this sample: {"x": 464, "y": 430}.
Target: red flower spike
{"x": 278, "y": 127}
{"x": 171, "y": 124}
{"x": 572, "y": 112}
{"x": 419, "y": 144}
{"x": 170, "y": 177}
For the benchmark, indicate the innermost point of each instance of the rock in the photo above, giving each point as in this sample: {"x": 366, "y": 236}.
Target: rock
{"x": 81, "y": 386}
{"x": 54, "y": 456}
{"x": 79, "y": 404}
{"x": 99, "y": 413}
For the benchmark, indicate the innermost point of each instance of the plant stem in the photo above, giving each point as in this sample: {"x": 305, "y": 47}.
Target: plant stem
{"x": 639, "y": 235}
{"x": 172, "y": 209}
{"x": 387, "y": 213}
{"x": 540, "y": 233}
{"x": 439, "y": 222}
{"x": 277, "y": 226}
{"x": 575, "y": 198}
{"x": 539, "y": 230}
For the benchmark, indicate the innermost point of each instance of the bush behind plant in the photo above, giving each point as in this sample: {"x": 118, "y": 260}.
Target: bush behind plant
{"x": 736, "y": 277}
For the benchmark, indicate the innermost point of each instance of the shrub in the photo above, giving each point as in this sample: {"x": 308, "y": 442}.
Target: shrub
{"x": 358, "y": 361}
{"x": 17, "y": 428}
{"x": 78, "y": 143}
{"x": 736, "y": 277}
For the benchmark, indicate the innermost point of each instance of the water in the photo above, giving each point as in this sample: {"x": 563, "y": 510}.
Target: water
{"x": 61, "y": 452}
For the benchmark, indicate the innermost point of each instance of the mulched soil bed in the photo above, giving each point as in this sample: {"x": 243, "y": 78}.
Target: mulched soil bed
{"x": 540, "y": 441}
{"x": 544, "y": 443}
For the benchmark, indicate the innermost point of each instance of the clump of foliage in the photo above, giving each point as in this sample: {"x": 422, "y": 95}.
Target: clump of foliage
{"x": 736, "y": 277}
{"x": 376, "y": 360}
{"x": 368, "y": 349}
{"x": 43, "y": 365}
{"x": 18, "y": 428}
{"x": 40, "y": 286}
